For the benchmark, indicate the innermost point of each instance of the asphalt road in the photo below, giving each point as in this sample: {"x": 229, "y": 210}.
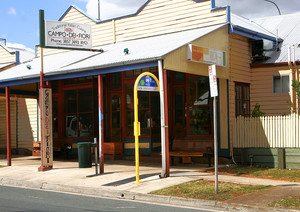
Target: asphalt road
{"x": 14, "y": 199}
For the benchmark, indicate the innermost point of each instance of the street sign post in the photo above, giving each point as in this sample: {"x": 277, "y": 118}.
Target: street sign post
{"x": 214, "y": 94}
{"x": 145, "y": 82}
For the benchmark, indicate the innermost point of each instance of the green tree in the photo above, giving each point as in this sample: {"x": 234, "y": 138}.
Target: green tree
{"x": 256, "y": 111}
{"x": 296, "y": 88}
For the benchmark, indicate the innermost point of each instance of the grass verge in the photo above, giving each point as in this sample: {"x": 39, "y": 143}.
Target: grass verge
{"x": 289, "y": 202}
{"x": 206, "y": 190}
{"x": 261, "y": 172}
{"x": 1, "y": 166}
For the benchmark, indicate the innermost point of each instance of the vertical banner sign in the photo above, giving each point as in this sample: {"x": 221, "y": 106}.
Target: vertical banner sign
{"x": 213, "y": 80}
{"x": 47, "y": 151}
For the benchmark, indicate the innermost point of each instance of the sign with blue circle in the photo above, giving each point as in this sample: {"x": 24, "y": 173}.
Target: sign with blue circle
{"x": 147, "y": 83}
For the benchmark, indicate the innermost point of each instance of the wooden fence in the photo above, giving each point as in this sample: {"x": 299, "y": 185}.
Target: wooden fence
{"x": 266, "y": 132}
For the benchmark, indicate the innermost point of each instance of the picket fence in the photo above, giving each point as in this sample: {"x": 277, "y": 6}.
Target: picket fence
{"x": 266, "y": 132}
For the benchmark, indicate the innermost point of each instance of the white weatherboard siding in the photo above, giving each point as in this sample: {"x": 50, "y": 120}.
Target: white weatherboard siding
{"x": 3, "y": 123}
{"x": 5, "y": 56}
{"x": 27, "y": 122}
{"x": 156, "y": 18}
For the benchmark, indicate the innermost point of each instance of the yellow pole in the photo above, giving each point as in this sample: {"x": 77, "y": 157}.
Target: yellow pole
{"x": 136, "y": 124}
{"x": 136, "y": 133}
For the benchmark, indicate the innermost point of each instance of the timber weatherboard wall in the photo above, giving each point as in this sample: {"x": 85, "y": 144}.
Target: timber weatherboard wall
{"x": 262, "y": 90}
{"x": 3, "y": 123}
{"x": 23, "y": 123}
{"x": 7, "y": 57}
{"x": 239, "y": 66}
{"x": 218, "y": 39}
{"x": 177, "y": 61}
{"x": 27, "y": 120}
{"x": 157, "y": 17}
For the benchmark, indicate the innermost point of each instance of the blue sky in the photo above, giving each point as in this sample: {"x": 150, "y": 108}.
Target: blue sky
{"x": 19, "y": 19}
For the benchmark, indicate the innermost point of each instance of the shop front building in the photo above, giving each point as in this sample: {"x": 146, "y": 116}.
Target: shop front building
{"x": 157, "y": 39}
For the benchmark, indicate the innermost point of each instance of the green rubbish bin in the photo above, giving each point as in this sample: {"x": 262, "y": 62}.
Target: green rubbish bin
{"x": 84, "y": 155}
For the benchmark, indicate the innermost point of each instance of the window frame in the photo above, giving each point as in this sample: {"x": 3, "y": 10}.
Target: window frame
{"x": 281, "y": 84}
{"x": 243, "y": 99}
{"x": 77, "y": 87}
{"x": 188, "y": 106}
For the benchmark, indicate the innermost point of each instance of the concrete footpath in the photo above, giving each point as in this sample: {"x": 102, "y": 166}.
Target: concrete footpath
{"x": 118, "y": 182}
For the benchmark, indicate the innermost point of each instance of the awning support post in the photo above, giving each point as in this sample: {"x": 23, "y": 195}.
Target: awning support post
{"x": 8, "y": 129}
{"x": 167, "y": 123}
{"x": 163, "y": 123}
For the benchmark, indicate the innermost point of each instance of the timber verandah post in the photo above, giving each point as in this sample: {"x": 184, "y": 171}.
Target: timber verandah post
{"x": 8, "y": 129}
{"x": 166, "y": 122}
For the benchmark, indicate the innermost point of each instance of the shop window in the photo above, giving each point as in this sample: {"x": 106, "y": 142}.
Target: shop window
{"x": 179, "y": 107}
{"x": 70, "y": 101}
{"x": 155, "y": 114}
{"x": 54, "y": 86}
{"x": 149, "y": 112}
{"x": 55, "y": 117}
{"x": 179, "y": 78}
{"x": 79, "y": 112}
{"x": 73, "y": 81}
{"x": 137, "y": 72}
{"x": 199, "y": 107}
{"x": 116, "y": 80}
{"x": 281, "y": 84}
{"x": 242, "y": 99}
{"x": 129, "y": 109}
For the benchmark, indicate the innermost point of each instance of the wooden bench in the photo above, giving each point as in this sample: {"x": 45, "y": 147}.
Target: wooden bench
{"x": 187, "y": 148}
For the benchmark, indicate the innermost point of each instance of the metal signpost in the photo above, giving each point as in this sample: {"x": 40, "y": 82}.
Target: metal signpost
{"x": 145, "y": 82}
{"x": 58, "y": 35}
{"x": 214, "y": 94}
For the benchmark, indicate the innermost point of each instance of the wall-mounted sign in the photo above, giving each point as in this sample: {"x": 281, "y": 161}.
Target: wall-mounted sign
{"x": 68, "y": 35}
{"x": 47, "y": 151}
{"x": 206, "y": 55}
{"x": 147, "y": 83}
{"x": 213, "y": 80}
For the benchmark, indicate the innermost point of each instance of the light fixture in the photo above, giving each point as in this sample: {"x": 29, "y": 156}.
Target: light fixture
{"x": 126, "y": 51}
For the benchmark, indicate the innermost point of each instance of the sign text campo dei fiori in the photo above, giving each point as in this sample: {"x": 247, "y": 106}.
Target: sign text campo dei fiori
{"x": 68, "y": 35}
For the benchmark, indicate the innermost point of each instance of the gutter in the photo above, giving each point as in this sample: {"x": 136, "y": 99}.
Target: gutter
{"x": 251, "y": 34}
{"x": 112, "y": 65}
{"x": 257, "y": 65}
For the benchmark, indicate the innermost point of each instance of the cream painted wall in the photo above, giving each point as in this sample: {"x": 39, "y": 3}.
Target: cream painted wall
{"x": 177, "y": 60}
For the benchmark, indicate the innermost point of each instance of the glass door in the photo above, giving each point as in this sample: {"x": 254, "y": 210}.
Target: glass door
{"x": 179, "y": 113}
{"x": 116, "y": 131}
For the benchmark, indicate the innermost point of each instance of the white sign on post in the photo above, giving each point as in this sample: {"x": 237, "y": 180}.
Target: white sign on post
{"x": 213, "y": 80}
{"x": 68, "y": 35}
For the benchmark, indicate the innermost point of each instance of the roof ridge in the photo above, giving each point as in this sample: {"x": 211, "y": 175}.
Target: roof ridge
{"x": 277, "y": 16}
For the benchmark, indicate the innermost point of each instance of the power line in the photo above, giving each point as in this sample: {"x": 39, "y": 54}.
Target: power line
{"x": 275, "y": 5}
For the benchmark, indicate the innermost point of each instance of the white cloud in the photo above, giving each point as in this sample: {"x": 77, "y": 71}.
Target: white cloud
{"x": 19, "y": 46}
{"x": 12, "y": 11}
{"x": 260, "y": 8}
{"x": 112, "y": 8}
